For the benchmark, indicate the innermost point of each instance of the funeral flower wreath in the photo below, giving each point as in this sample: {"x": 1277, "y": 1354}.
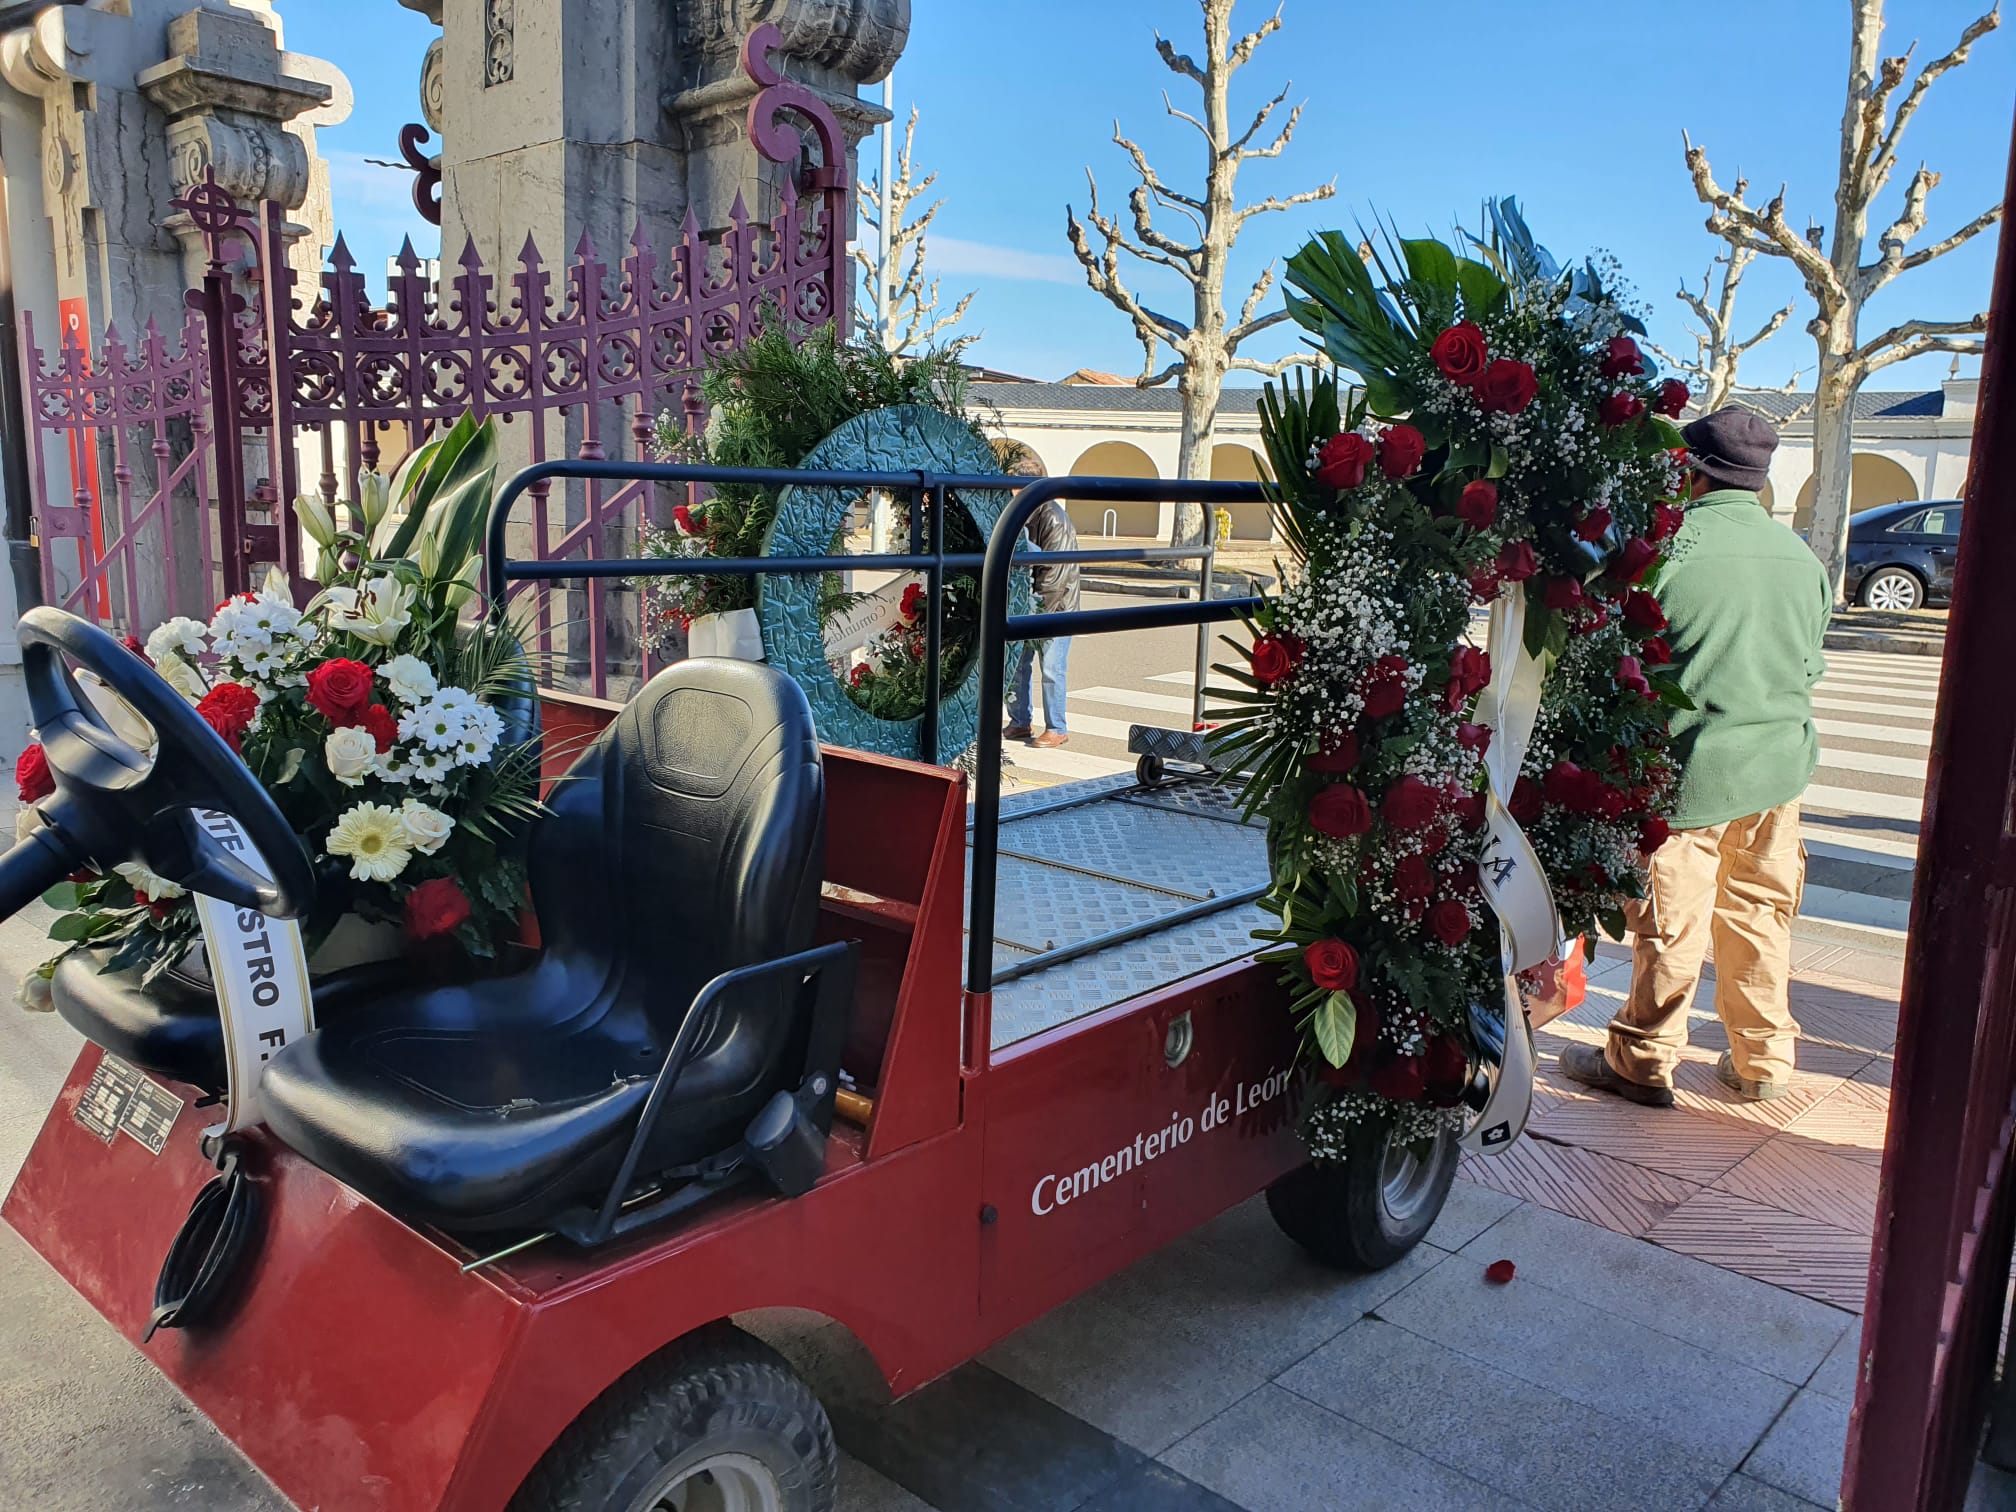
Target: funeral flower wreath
{"x": 1512, "y": 447}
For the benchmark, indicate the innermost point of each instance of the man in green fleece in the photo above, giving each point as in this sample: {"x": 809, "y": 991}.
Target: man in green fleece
{"x": 1747, "y": 606}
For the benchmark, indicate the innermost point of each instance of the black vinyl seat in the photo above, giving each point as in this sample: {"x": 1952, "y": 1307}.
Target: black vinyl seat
{"x": 687, "y": 841}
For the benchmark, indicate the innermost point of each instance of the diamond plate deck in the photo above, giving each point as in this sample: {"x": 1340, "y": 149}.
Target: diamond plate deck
{"x": 1157, "y": 850}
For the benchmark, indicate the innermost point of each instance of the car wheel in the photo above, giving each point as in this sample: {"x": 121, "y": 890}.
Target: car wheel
{"x": 715, "y": 1423}
{"x": 1366, "y": 1211}
{"x": 1893, "y": 588}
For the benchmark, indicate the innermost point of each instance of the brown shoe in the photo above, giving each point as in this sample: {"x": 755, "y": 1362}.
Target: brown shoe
{"x": 1744, "y": 1087}
{"x": 1049, "y": 740}
{"x": 1589, "y": 1066}
{"x": 1016, "y": 732}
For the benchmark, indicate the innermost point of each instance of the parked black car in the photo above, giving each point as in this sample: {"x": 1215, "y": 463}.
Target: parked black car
{"x": 1900, "y": 556}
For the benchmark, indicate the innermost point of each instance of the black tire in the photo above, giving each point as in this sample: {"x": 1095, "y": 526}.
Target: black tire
{"x": 1900, "y": 583}
{"x": 1339, "y": 1210}
{"x": 715, "y": 1393}
{"x": 1148, "y": 770}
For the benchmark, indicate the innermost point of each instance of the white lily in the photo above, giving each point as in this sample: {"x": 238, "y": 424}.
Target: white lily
{"x": 375, "y": 613}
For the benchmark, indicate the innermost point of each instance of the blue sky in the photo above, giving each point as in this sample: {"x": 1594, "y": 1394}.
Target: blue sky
{"x": 1417, "y": 111}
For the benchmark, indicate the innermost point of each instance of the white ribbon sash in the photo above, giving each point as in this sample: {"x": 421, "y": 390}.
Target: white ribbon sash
{"x": 1529, "y": 925}
{"x": 260, "y": 970}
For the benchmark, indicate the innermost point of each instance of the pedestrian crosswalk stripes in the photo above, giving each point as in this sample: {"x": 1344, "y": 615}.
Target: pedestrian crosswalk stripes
{"x": 1849, "y": 729}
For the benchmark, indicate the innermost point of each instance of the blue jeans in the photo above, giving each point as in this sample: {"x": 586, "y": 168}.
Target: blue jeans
{"x": 1054, "y": 653}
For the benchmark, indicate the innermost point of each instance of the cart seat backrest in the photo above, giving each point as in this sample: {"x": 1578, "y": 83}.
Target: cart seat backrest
{"x": 688, "y": 840}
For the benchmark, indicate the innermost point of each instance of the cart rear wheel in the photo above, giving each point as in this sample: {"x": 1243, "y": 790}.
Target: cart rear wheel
{"x": 1364, "y": 1212}
{"x": 716, "y": 1423}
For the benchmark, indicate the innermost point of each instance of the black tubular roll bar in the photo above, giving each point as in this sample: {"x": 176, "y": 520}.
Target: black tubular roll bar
{"x": 499, "y": 570}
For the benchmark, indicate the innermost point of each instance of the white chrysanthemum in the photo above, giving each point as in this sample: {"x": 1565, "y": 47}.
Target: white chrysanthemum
{"x": 350, "y": 753}
{"x": 148, "y": 884}
{"x": 411, "y": 680}
{"x": 392, "y": 767}
{"x": 377, "y": 844}
{"x": 455, "y": 701}
{"x": 433, "y": 726}
{"x": 432, "y": 765}
{"x": 480, "y": 731}
{"x": 427, "y": 826}
{"x": 180, "y": 637}
{"x": 181, "y": 676}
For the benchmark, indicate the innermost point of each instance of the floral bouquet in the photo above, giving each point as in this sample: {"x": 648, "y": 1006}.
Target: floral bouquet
{"x": 1510, "y": 437}
{"x": 380, "y": 720}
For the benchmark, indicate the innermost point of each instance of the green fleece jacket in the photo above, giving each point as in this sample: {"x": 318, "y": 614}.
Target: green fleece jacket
{"x": 1747, "y": 606}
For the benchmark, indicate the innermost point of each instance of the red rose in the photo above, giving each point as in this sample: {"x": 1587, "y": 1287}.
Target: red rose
{"x": 913, "y": 601}
{"x": 1594, "y": 618}
{"x": 1611, "y": 803}
{"x": 1473, "y": 737}
{"x": 1460, "y": 353}
{"x": 1447, "y": 1066}
{"x": 1516, "y": 562}
{"x": 1477, "y": 507}
{"x": 383, "y": 727}
{"x": 1506, "y": 387}
{"x": 1594, "y": 525}
{"x": 1622, "y": 359}
{"x": 1621, "y": 409}
{"x": 1342, "y": 462}
{"x": 339, "y": 689}
{"x": 858, "y": 676}
{"x": 1332, "y": 964}
{"x": 1673, "y": 397}
{"x": 1411, "y": 878}
{"x": 1385, "y": 687}
{"x": 1484, "y": 584}
{"x": 1400, "y": 450}
{"x": 1449, "y": 922}
{"x": 1402, "y": 1079}
{"x": 1634, "y": 561}
{"x": 1276, "y": 657}
{"x": 1410, "y": 804}
{"x": 1563, "y": 594}
{"x": 133, "y": 643}
{"x": 1567, "y": 786}
{"x": 229, "y": 709}
{"x": 1434, "y": 840}
{"x": 1631, "y": 675}
{"x": 1667, "y": 520}
{"x": 1642, "y": 611}
{"x": 1655, "y": 652}
{"x": 1339, "y": 754}
{"x": 1470, "y": 810}
{"x": 1653, "y": 833}
{"x": 1340, "y": 811}
{"x": 436, "y": 907}
{"x": 31, "y": 775}
{"x": 1525, "y": 804}
{"x": 682, "y": 520}
{"x": 1469, "y": 671}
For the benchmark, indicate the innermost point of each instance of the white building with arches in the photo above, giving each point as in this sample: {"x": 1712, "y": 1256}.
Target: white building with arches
{"x": 1909, "y": 444}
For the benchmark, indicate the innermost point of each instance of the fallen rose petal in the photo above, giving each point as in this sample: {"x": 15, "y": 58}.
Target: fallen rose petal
{"x": 1498, "y": 1272}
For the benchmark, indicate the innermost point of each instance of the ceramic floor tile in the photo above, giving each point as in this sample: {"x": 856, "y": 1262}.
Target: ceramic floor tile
{"x": 1699, "y": 1089}
{"x": 1877, "y": 1072}
{"x": 1790, "y": 1250}
{"x": 1852, "y": 1119}
{"x": 1799, "y": 1176}
{"x": 1694, "y": 1146}
{"x": 1624, "y": 1198}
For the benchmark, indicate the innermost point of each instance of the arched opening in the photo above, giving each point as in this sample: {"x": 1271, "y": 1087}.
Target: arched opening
{"x": 1241, "y": 464}
{"x": 1115, "y": 459}
{"x": 1872, "y": 480}
{"x": 1766, "y": 497}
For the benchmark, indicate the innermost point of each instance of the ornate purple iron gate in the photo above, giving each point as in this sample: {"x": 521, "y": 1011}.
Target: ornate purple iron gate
{"x": 261, "y": 364}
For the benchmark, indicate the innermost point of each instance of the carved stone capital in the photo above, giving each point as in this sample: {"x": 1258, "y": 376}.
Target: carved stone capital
{"x": 858, "y": 40}
{"x": 252, "y": 158}
{"x": 434, "y": 86}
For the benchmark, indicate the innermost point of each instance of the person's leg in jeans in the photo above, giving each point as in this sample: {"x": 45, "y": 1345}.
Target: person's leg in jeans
{"x": 1666, "y": 954}
{"x": 1021, "y": 708}
{"x": 1763, "y": 869}
{"x": 1055, "y": 688}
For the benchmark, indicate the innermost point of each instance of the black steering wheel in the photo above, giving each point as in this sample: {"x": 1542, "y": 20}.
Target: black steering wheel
{"x": 114, "y": 804}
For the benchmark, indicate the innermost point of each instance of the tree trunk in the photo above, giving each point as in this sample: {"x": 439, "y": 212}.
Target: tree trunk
{"x": 1833, "y": 463}
{"x": 1199, "y": 388}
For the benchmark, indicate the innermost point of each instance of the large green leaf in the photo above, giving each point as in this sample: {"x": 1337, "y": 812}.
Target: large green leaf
{"x": 1335, "y": 1026}
{"x": 1429, "y": 262}
{"x": 1482, "y": 288}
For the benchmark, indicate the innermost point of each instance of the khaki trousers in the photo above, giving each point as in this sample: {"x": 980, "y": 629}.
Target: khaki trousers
{"x": 1737, "y": 884}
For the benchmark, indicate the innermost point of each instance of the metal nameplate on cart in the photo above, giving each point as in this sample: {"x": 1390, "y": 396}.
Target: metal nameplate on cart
{"x": 150, "y": 1115}
{"x": 119, "y": 1096}
{"x": 107, "y": 1096}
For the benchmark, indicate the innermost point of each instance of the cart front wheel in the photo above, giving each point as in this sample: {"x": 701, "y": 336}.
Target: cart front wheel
{"x": 716, "y": 1423}
{"x": 1364, "y": 1212}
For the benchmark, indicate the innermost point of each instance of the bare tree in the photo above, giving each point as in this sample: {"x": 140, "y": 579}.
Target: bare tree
{"x": 1206, "y": 345}
{"x": 910, "y": 318}
{"x": 1717, "y": 350}
{"x": 1832, "y": 265}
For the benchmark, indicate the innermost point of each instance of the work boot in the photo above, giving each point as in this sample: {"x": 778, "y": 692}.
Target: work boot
{"x": 1743, "y": 1086}
{"x": 1589, "y": 1066}
{"x": 1049, "y": 740}
{"x": 1016, "y": 732}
